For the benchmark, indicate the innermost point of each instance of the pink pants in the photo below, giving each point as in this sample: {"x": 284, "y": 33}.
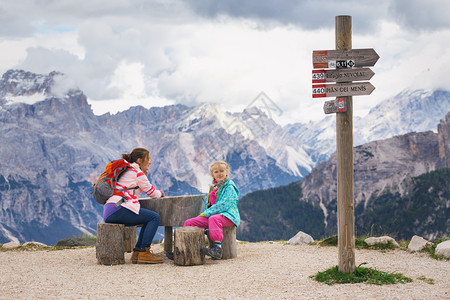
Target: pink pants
{"x": 213, "y": 223}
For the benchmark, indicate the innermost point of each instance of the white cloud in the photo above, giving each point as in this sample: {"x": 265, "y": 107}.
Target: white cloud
{"x": 133, "y": 89}
{"x": 153, "y": 53}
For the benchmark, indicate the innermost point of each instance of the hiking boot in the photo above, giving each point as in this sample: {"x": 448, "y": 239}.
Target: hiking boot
{"x": 169, "y": 255}
{"x": 147, "y": 257}
{"x": 134, "y": 257}
{"x": 215, "y": 252}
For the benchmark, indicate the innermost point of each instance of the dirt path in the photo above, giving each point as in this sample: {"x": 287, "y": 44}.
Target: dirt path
{"x": 261, "y": 271}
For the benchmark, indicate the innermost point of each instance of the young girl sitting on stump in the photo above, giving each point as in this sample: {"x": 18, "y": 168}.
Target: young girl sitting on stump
{"x": 221, "y": 210}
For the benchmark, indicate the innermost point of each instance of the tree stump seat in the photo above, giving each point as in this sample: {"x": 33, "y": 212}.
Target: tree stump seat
{"x": 228, "y": 243}
{"x": 112, "y": 241}
{"x": 189, "y": 241}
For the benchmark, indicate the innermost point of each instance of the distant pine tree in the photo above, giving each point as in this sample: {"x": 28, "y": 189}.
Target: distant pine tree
{"x": 422, "y": 211}
{"x": 278, "y": 214}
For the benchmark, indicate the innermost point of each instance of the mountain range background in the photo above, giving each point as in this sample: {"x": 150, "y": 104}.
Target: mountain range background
{"x": 54, "y": 148}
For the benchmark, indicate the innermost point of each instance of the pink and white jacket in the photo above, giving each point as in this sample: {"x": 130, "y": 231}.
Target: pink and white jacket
{"x": 131, "y": 178}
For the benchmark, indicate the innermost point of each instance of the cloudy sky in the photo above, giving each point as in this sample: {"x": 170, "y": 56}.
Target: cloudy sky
{"x": 123, "y": 53}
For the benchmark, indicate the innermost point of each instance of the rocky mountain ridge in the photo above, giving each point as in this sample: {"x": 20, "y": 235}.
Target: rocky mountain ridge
{"x": 409, "y": 111}
{"x": 401, "y": 188}
{"x": 379, "y": 167}
{"x": 54, "y": 148}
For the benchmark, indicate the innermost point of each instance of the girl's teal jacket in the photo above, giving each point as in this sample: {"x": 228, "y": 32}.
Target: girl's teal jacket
{"x": 226, "y": 204}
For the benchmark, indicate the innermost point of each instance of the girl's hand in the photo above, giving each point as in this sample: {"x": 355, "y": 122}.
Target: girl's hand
{"x": 162, "y": 193}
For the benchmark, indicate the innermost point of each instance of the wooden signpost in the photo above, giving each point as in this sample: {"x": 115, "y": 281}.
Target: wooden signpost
{"x": 346, "y": 63}
{"x": 334, "y": 106}
{"x": 341, "y": 75}
{"x": 342, "y": 89}
{"x": 344, "y": 58}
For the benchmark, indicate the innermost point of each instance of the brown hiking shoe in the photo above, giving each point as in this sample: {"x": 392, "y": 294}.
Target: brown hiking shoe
{"x": 134, "y": 257}
{"x": 147, "y": 257}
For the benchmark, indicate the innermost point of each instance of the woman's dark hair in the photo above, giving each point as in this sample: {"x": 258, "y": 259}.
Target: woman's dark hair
{"x": 132, "y": 157}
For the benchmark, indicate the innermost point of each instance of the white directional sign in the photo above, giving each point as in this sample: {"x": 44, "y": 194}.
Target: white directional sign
{"x": 342, "y": 89}
{"x": 341, "y": 75}
{"x": 344, "y": 59}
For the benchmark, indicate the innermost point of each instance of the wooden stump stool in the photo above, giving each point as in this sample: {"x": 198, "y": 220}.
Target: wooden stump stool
{"x": 129, "y": 238}
{"x": 113, "y": 239}
{"x": 228, "y": 243}
{"x": 188, "y": 244}
{"x": 109, "y": 246}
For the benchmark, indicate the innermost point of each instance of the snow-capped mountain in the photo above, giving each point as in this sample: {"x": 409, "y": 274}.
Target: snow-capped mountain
{"x": 382, "y": 167}
{"x": 54, "y": 148}
{"x": 401, "y": 187}
{"x": 409, "y": 111}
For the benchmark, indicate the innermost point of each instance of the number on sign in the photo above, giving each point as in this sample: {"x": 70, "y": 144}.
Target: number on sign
{"x": 320, "y": 90}
{"x": 316, "y": 76}
{"x": 341, "y": 64}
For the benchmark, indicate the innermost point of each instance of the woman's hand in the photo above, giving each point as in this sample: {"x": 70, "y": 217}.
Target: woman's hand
{"x": 162, "y": 193}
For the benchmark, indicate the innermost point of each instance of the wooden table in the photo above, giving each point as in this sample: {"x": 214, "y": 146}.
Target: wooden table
{"x": 174, "y": 210}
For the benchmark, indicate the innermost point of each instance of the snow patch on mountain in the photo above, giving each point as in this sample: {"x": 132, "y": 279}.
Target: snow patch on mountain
{"x": 8, "y": 235}
{"x": 296, "y": 158}
{"x": 187, "y": 141}
{"x": 409, "y": 111}
{"x": 27, "y": 99}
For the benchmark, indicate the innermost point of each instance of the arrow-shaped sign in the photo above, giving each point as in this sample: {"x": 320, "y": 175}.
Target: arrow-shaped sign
{"x": 344, "y": 59}
{"x": 342, "y": 89}
{"x": 341, "y": 75}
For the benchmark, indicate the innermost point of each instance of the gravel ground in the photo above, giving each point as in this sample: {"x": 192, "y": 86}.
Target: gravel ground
{"x": 261, "y": 271}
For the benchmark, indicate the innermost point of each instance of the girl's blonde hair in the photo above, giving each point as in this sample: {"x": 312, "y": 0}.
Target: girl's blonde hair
{"x": 220, "y": 162}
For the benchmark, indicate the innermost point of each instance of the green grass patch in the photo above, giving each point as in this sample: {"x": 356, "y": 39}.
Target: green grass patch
{"x": 379, "y": 246}
{"x": 427, "y": 280}
{"x": 431, "y": 249}
{"x": 361, "y": 274}
{"x": 329, "y": 241}
{"x": 359, "y": 243}
{"x": 403, "y": 244}
{"x": 37, "y": 248}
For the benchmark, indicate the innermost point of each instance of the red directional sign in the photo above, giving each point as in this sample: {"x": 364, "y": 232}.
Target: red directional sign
{"x": 344, "y": 59}
{"x": 342, "y": 89}
{"x": 341, "y": 75}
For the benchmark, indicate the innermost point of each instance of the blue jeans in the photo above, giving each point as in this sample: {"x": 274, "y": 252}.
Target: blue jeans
{"x": 149, "y": 220}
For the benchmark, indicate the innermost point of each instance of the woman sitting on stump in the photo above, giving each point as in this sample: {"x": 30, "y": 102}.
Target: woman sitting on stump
{"x": 221, "y": 210}
{"x": 124, "y": 207}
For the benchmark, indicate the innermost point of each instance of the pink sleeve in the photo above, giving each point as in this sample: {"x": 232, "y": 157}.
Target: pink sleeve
{"x": 146, "y": 186}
